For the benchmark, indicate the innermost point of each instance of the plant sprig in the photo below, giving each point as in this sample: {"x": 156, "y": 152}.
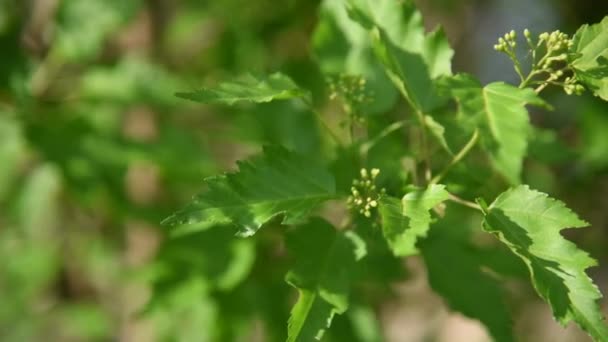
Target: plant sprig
{"x": 549, "y": 55}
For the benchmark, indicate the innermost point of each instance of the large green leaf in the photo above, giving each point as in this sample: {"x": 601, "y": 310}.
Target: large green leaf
{"x": 455, "y": 269}
{"x": 325, "y": 264}
{"x": 405, "y": 221}
{"x": 341, "y": 46}
{"x": 407, "y": 70}
{"x": 529, "y": 223}
{"x": 499, "y": 111}
{"x": 404, "y": 27}
{"x": 591, "y": 61}
{"x": 278, "y": 182}
{"x": 249, "y": 89}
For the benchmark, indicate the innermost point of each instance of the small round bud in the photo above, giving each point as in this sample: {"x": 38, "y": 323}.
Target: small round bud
{"x": 375, "y": 173}
{"x": 363, "y": 173}
{"x": 527, "y": 33}
{"x": 373, "y": 204}
{"x": 512, "y": 34}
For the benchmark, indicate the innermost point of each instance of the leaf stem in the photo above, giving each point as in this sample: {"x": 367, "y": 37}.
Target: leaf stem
{"x": 331, "y": 133}
{"x": 365, "y": 147}
{"x": 425, "y": 145}
{"x": 458, "y": 157}
{"x": 464, "y": 202}
{"x": 319, "y": 117}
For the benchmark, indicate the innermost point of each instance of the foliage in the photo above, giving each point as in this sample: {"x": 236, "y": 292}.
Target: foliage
{"x": 357, "y": 146}
{"x": 418, "y": 66}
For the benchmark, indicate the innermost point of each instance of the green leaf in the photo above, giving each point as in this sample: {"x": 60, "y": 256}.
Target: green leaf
{"x": 405, "y": 221}
{"x": 590, "y": 63}
{"x": 278, "y": 182}
{"x": 249, "y": 89}
{"x": 455, "y": 270}
{"x": 341, "y": 46}
{"x": 529, "y": 223}
{"x": 404, "y": 27}
{"x": 407, "y": 70}
{"x": 325, "y": 264}
{"x": 438, "y": 131}
{"x": 499, "y": 111}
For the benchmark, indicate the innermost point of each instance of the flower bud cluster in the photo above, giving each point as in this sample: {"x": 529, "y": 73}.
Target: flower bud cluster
{"x": 364, "y": 193}
{"x": 571, "y": 86}
{"x": 550, "y": 55}
{"x": 507, "y": 43}
{"x": 555, "y": 41}
{"x": 352, "y": 90}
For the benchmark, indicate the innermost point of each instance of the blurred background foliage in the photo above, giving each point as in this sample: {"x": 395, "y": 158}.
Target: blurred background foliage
{"x": 95, "y": 151}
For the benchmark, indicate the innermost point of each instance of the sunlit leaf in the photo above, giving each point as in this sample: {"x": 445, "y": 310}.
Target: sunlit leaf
{"x": 405, "y": 221}
{"x": 529, "y": 223}
{"x": 278, "y": 182}
{"x": 499, "y": 111}
{"x": 591, "y": 61}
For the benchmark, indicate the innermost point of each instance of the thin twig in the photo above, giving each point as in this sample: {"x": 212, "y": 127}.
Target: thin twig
{"x": 384, "y": 133}
{"x": 458, "y": 157}
{"x": 464, "y": 202}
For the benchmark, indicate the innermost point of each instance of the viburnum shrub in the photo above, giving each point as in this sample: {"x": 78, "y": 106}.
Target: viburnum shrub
{"x": 421, "y": 162}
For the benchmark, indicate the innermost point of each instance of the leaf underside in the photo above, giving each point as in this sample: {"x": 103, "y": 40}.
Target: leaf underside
{"x": 455, "y": 271}
{"x": 529, "y": 223}
{"x": 405, "y": 221}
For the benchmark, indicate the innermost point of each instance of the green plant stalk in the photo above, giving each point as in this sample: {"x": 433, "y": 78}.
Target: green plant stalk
{"x": 365, "y": 147}
{"x": 457, "y": 158}
{"x": 464, "y": 202}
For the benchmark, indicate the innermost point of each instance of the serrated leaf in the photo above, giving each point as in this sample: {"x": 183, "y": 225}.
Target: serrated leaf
{"x": 529, "y": 223}
{"x": 323, "y": 277}
{"x": 404, "y": 27}
{"x": 499, "y": 111}
{"x": 405, "y": 221}
{"x": 342, "y": 46}
{"x": 405, "y": 69}
{"x": 590, "y": 63}
{"x": 277, "y": 182}
{"x": 249, "y": 89}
